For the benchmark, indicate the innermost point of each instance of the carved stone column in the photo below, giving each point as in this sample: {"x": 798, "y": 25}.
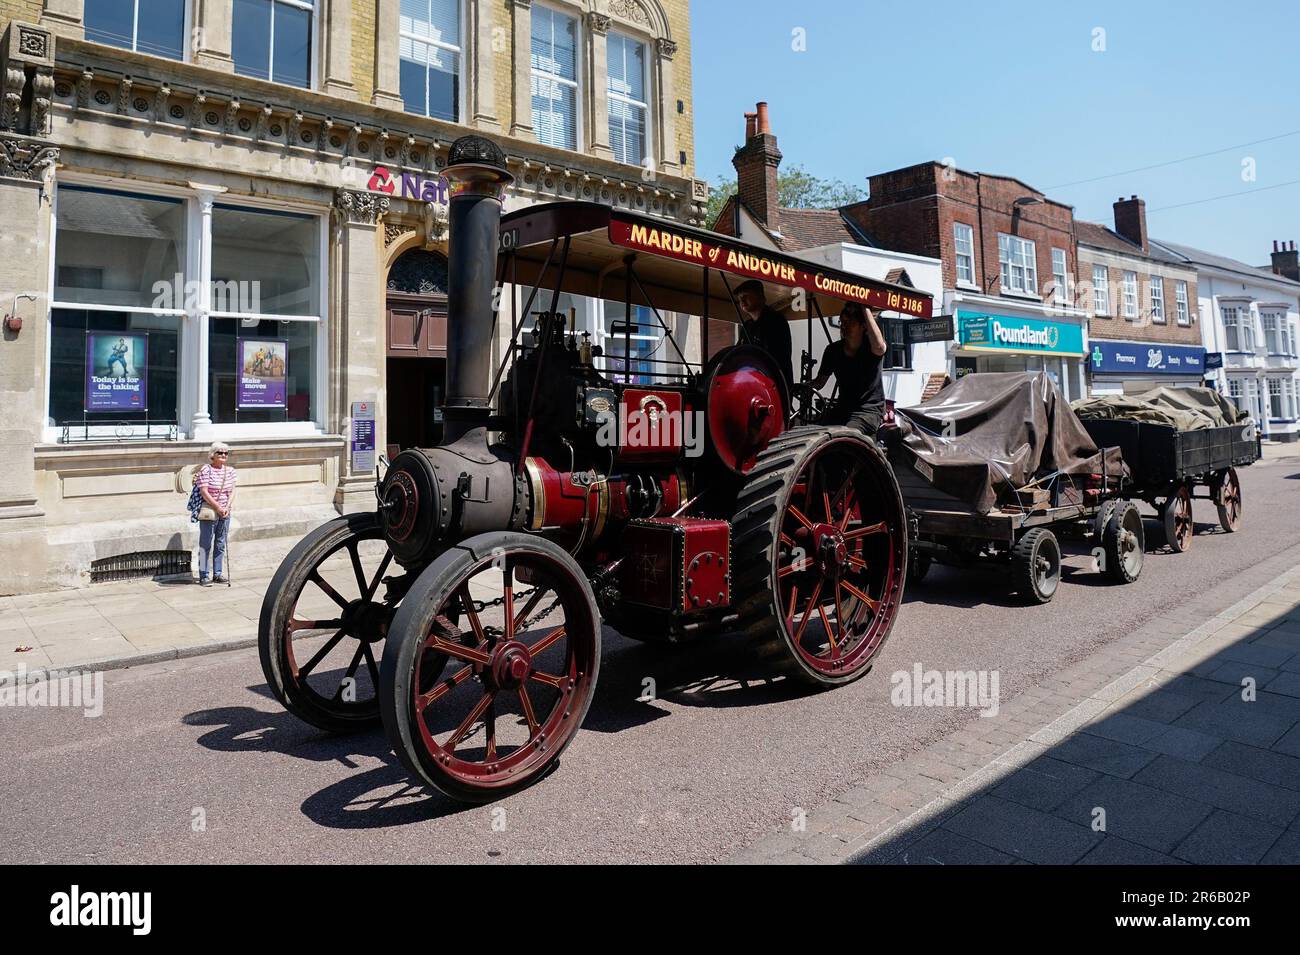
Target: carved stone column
{"x": 669, "y": 161}
{"x": 521, "y": 118}
{"x": 26, "y": 167}
{"x": 26, "y": 55}
{"x": 338, "y": 49}
{"x": 388, "y": 76}
{"x": 64, "y": 17}
{"x": 598, "y": 85}
{"x": 483, "y": 70}
{"x": 357, "y": 333}
{"x": 211, "y": 35}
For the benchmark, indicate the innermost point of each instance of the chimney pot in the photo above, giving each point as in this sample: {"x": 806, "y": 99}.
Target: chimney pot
{"x": 751, "y": 125}
{"x": 1131, "y": 221}
{"x": 763, "y": 126}
{"x": 1275, "y": 245}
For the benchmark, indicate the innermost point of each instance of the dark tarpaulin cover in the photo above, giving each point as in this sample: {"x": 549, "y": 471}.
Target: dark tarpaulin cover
{"x": 1187, "y": 409}
{"x": 1008, "y": 430}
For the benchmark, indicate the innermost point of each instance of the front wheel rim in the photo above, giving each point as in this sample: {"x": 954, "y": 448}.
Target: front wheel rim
{"x": 512, "y": 657}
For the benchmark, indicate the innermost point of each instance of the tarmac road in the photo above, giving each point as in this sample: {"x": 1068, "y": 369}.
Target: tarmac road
{"x": 721, "y": 758}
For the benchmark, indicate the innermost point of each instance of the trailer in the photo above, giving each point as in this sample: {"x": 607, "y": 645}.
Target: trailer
{"x": 1169, "y": 465}
{"x": 1025, "y": 535}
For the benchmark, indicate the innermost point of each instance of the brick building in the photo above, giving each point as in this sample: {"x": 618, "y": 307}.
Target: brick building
{"x": 1009, "y": 261}
{"x": 1144, "y": 324}
{"x": 163, "y": 159}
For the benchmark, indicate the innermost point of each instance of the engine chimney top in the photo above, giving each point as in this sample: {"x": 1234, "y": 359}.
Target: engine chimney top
{"x": 477, "y": 164}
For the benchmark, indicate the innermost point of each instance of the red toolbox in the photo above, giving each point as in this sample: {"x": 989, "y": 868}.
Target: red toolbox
{"x": 678, "y": 564}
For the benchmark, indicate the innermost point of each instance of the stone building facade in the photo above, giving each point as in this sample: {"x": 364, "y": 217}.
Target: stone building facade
{"x": 185, "y": 199}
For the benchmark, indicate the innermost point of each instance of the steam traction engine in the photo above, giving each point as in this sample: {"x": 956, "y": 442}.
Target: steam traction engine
{"x": 465, "y": 611}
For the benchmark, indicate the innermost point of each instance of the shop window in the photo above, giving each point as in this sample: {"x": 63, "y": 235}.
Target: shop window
{"x": 554, "y": 64}
{"x": 1130, "y": 289}
{"x": 113, "y": 249}
{"x": 1100, "y": 290}
{"x": 271, "y": 40}
{"x": 1019, "y": 265}
{"x": 156, "y": 27}
{"x": 266, "y": 299}
{"x": 1157, "y": 299}
{"x": 628, "y": 102}
{"x": 1180, "y": 303}
{"x": 964, "y": 244}
{"x": 111, "y": 373}
{"x": 429, "y": 49}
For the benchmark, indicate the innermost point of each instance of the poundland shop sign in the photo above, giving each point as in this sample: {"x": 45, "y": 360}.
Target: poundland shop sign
{"x": 981, "y": 331}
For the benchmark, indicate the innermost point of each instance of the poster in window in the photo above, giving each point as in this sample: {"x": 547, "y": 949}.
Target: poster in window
{"x": 263, "y": 364}
{"x": 116, "y": 366}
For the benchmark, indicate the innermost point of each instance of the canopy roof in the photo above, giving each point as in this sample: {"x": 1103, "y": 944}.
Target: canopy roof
{"x": 671, "y": 262}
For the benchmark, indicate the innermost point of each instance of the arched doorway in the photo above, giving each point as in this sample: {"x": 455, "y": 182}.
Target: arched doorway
{"x": 416, "y": 306}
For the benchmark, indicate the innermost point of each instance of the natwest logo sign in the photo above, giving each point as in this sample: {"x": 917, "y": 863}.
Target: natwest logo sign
{"x": 411, "y": 185}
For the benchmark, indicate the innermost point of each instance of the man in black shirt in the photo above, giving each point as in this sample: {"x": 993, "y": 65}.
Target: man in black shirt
{"x": 855, "y": 361}
{"x": 764, "y": 327}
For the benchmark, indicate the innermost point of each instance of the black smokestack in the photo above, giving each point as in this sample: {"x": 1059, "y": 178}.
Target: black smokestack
{"x": 477, "y": 178}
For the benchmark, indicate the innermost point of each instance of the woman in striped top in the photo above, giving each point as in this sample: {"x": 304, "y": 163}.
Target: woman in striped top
{"x": 216, "y": 483}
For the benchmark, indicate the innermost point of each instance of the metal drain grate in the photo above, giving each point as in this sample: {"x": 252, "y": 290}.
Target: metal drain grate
{"x": 144, "y": 563}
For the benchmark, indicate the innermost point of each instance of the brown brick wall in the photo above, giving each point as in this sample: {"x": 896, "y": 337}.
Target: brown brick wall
{"x": 1142, "y": 329}
{"x": 913, "y": 210}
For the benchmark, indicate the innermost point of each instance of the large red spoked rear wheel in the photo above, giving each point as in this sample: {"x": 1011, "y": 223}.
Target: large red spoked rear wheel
{"x": 821, "y": 553}
{"x": 491, "y": 665}
{"x": 324, "y": 619}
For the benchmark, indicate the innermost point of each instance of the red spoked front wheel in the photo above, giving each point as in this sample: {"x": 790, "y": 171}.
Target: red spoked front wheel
{"x": 490, "y": 665}
{"x": 821, "y": 545}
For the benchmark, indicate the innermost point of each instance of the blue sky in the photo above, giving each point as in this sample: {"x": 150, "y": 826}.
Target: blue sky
{"x": 1018, "y": 89}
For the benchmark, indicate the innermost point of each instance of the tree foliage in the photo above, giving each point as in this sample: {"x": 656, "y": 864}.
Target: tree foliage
{"x": 796, "y": 189}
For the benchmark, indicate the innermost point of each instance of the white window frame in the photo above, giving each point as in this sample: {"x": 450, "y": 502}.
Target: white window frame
{"x": 576, "y": 82}
{"x": 313, "y": 52}
{"x": 1239, "y": 324}
{"x": 1018, "y": 262}
{"x": 461, "y": 73}
{"x": 187, "y": 32}
{"x": 646, "y": 81}
{"x": 1100, "y": 290}
{"x": 1281, "y": 410}
{"x": 1157, "y": 286}
{"x": 1061, "y": 275}
{"x": 190, "y": 379}
{"x": 1129, "y": 287}
{"x": 1181, "y": 305}
{"x": 957, "y": 238}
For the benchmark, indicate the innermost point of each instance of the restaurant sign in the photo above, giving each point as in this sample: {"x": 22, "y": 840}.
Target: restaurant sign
{"x": 689, "y": 247}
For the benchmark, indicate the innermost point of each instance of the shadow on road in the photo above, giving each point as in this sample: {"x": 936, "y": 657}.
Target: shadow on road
{"x": 1199, "y": 766}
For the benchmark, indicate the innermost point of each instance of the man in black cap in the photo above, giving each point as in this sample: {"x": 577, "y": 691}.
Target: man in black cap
{"x": 855, "y": 361}
{"x": 764, "y": 327}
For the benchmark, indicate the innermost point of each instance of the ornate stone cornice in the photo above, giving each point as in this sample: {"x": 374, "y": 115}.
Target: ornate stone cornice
{"x": 27, "y": 159}
{"x": 359, "y": 208}
{"x": 629, "y": 10}
{"x": 667, "y": 48}
{"x": 598, "y": 22}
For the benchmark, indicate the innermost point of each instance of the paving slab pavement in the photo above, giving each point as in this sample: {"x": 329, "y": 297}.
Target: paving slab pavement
{"x": 1171, "y": 746}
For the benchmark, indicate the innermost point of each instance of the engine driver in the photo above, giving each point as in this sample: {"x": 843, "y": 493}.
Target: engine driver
{"x": 764, "y": 327}
{"x": 855, "y": 361}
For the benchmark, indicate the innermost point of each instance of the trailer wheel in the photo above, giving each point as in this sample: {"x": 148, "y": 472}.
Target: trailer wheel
{"x": 1227, "y": 495}
{"x": 1100, "y": 520}
{"x": 820, "y": 554}
{"x": 322, "y": 617}
{"x": 1123, "y": 543}
{"x": 522, "y": 670}
{"x": 1036, "y": 565}
{"x": 1177, "y": 515}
